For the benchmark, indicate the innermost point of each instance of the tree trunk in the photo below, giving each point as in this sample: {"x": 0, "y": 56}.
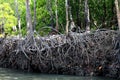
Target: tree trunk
{"x": 56, "y": 14}
{"x": 87, "y": 16}
{"x": 34, "y": 15}
{"x": 28, "y": 20}
{"x": 67, "y": 18}
{"x": 118, "y": 13}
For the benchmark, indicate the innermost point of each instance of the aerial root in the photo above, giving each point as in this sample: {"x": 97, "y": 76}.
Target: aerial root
{"x": 62, "y": 54}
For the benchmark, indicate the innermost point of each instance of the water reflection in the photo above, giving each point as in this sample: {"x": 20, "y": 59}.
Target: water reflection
{"x": 7, "y": 74}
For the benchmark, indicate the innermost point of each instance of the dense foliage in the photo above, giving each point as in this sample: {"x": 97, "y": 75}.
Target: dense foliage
{"x": 7, "y": 18}
{"x": 102, "y": 15}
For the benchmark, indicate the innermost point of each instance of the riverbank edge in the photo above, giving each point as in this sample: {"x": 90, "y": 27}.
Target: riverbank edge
{"x": 95, "y": 54}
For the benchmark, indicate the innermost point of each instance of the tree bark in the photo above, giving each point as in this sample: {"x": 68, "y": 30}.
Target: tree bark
{"x": 29, "y": 20}
{"x": 34, "y": 15}
{"x": 67, "y": 18}
{"x": 87, "y": 16}
{"x": 118, "y": 13}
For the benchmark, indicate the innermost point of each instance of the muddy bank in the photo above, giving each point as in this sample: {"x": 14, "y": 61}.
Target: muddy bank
{"x": 94, "y": 54}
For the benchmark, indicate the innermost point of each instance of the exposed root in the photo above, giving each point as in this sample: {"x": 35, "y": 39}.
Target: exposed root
{"x": 77, "y": 53}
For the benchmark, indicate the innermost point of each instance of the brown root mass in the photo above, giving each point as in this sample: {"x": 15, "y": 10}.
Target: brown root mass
{"x": 94, "y": 54}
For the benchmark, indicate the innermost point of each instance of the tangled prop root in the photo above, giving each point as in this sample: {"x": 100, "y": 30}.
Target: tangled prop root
{"x": 81, "y": 54}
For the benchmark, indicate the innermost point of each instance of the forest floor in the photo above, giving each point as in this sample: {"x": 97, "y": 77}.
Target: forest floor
{"x": 83, "y": 54}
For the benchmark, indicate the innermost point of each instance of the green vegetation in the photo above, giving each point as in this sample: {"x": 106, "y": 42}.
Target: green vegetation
{"x": 102, "y": 15}
{"x": 7, "y": 18}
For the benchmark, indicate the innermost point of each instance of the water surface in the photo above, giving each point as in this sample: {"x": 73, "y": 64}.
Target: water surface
{"x": 8, "y": 74}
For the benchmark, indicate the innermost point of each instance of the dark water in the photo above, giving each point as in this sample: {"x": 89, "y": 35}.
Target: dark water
{"x": 7, "y": 74}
